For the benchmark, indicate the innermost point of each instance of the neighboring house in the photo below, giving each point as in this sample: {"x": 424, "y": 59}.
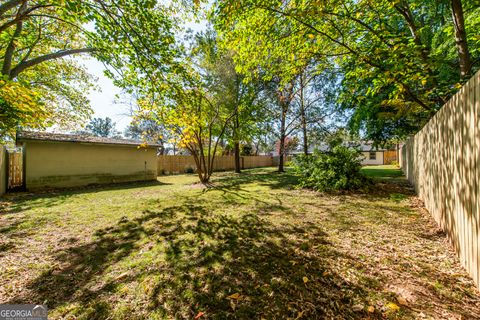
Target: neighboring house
{"x": 66, "y": 160}
{"x": 370, "y": 155}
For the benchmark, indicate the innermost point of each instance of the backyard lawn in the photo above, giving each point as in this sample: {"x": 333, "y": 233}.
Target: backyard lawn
{"x": 248, "y": 247}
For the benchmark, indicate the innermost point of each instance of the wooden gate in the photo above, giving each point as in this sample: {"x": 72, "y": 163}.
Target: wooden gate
{"x": 15, "y": 169}
{"x": 389, "y": 156}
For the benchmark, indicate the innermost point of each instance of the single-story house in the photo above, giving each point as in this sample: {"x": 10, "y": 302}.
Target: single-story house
{"x": 370, "y": 155}
{"x": 53, "y": 160}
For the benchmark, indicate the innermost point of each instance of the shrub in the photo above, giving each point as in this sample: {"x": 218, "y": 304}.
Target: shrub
{"x": 338, "y": 169}
{"x": 189, "y": 170}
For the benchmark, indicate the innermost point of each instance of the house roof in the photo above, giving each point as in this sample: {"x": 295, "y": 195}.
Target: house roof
{"x": 79, "y": 138}
{"x": 368, "y": 146}
{"x": 364, "y": 146}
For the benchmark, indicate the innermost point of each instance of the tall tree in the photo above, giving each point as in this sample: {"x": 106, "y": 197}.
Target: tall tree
{"x": 193, "y": 106}
{"x": 239, "y": 96}
{"x": 101, "y": 127}
{"x": 282, "y": 98}
{"x": 149, "y": 131}
{"x": 37, "y": 36}
{"x": 397, "y": 57}
{"x": 461, "y": 39}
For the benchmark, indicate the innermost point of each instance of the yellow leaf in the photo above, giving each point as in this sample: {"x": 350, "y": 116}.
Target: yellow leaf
{"x": 371, "y": 309}
{"x": 393, "y": 307}
{"x": 235, "y": 296}
{"x": 300, "y": 314}
{"x": 424, "y": 82}
{"x": 305, "y": 279}
{"x": 311, "y": 36}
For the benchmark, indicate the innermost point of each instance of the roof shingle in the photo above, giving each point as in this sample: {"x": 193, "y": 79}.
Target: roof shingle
{"x": 79, "y": 138}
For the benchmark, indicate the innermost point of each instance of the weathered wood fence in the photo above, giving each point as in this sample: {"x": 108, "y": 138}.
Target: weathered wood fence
{"x": 442, "y": 162}
{"x": 167, "y": 164}
{"x": 389, "y": 156}
{"x": 3, "y": 170}
{"x": 15, "y": 170}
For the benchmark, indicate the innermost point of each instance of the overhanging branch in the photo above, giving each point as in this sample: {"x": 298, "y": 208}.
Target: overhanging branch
{"x": 51, "y": 56}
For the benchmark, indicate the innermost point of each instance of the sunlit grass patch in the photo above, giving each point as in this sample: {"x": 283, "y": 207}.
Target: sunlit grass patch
{"x": 249, "y": 246}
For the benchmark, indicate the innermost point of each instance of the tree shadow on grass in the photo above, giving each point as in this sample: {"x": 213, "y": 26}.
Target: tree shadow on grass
{"x": 17, "y": 202}
{"x": 238, "y": 267}
{"x": 273, "y": 180}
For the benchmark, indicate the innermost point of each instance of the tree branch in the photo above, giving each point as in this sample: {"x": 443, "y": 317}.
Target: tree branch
{"x": 8, "y": 5}
{"x": 7, "y": 60}
{"x": 51, "y": 56}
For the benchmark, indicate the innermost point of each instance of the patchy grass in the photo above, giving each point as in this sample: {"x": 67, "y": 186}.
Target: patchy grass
{"x": 250, "y": 247}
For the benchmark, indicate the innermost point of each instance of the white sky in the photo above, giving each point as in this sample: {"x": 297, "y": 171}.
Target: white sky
{"x": 103, "y": 101}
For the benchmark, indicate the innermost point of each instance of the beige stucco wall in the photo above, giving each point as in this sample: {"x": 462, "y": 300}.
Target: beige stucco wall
{"x": 69, "y": 164}
{"x": 3, "y": 170}
{"x": 366, "y": 158}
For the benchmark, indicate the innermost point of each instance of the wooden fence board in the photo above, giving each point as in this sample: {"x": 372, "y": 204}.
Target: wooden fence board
{"x": 15, "y": 170}
{"x": 443, "y": 164}
{"x": 181, "y": 164}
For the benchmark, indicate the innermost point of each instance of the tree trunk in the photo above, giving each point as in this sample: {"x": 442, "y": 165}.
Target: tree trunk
{"x": 461, "y": 39}
{"x": 237, "y": 157}
{"x": 236, "y": 125}
{"x": 303, "y": 118}
{"x": 10, "y": 50}
{"x": 281, "y": 148}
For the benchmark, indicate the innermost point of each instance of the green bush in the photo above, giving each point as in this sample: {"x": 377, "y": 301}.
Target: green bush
{"x": 189, "y": 170}
{"x": 338, "y": 169}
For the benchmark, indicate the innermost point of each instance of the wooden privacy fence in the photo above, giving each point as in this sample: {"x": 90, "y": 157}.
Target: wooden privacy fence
{"x": 15, "y": 170}
{"x": 442, "y": 162}
{"x": 180, "y": 164}
{"x": 389, "y": 156}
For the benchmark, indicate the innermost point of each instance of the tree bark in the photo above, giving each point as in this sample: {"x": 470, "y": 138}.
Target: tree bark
{"x": 281, "y": 152}
{"x": 7, "y": 60}
{"x": 303, "y": 117}
{"x": 236, "y": 146}
{"x": 238, "y": 168}
{"x": 461, "y": 39}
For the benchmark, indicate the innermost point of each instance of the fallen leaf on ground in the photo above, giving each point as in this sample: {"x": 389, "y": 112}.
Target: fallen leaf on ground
{"x": 235, "y": 296}
{"x": 201, "y": 313}
{"x": 371, "y": 309}
{"x": 392, "y": 307}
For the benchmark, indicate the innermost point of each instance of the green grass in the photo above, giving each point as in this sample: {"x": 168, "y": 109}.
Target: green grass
{"x": 382, "y": 172}
{"x": 250, "y": 247}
